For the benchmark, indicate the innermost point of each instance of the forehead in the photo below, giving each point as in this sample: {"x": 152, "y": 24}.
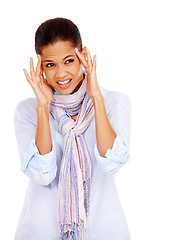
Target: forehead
{"x": 57, "y": 50}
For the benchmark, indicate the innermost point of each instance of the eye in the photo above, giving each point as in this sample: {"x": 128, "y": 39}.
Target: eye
{"x": 49, "y": 65}
{"x": 69, "y": 61}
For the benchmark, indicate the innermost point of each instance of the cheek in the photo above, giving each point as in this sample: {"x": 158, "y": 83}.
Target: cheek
{"x": 77, "y": 69}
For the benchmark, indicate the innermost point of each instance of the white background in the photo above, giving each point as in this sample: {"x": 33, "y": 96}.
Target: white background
{"x": 132, "y": 43}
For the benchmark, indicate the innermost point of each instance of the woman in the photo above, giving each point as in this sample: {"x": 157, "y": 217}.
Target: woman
{"x": 72, "y": 139}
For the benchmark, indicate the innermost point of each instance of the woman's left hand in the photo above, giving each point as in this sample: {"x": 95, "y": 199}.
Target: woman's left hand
{"x": 92, "y": 87}
{"x": 105, "y": 134}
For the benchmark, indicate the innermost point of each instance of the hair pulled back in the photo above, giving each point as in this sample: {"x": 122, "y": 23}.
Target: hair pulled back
{"x": 57, "y": 29}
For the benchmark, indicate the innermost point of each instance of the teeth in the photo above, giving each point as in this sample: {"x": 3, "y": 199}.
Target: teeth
{"x": 63, "y": 83}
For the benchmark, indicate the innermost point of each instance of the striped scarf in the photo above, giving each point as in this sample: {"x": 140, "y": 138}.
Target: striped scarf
{"x": 75, "y": 170}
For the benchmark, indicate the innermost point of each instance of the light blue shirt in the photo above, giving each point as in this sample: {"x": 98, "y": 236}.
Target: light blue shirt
{"x": 39, "y": 215}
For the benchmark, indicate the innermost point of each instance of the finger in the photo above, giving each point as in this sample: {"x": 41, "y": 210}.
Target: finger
{"x": 46, "y": 82}
{"x": 32, "y": 71}
{"x": 94, "y": 63}
{"x": 38, "y": 68}
{"x": 81, "y": 58}
{"x": 27, "y": 76}
{"x": 89, "y": 60}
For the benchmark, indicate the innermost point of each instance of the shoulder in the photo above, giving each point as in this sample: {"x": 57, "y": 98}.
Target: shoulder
{"x": 27, "y": 105}
{"x": 115, "y": 100}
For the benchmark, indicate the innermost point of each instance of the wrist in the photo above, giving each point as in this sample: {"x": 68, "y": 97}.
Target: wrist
{"x": 97, "y": 98}
{"x": 43, "y": 109}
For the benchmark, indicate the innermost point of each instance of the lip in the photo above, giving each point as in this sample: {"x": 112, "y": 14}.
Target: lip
{"x": 65, "y": 85}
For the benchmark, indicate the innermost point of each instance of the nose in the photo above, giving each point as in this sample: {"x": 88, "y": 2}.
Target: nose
{"x": 61, "y": 73}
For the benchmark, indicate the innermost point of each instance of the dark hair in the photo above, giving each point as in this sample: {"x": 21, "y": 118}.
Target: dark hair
{"x": 57, "y": 29}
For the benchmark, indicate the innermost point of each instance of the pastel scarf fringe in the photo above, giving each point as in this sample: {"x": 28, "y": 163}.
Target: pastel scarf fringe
{"x": 75, "y": 170}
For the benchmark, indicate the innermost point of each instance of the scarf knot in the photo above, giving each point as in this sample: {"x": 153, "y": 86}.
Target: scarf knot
{"x": 65, "y": 124}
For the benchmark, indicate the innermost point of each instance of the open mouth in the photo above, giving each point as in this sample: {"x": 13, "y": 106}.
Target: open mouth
{"x": 64, "y": 82}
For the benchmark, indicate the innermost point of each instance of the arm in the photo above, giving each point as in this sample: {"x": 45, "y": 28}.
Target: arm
{"x": 37, "y": 154}
{"x": 43, "y": 133}
{"x": 118, "y": 108}
{"x": 44, "y": 96}
{"x": 113, "y": 126}
{"x": 105, "y": 134}
{"x": 40, "y": 168}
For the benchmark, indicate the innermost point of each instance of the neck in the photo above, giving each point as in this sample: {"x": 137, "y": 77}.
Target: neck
{"x": 74, "y": 117}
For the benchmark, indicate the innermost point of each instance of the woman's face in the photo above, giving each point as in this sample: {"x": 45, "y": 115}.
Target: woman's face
{"x": 62, "y": 67}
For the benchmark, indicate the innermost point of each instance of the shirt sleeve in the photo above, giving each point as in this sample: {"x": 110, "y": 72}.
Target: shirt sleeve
{"x": 40, "y": 168}
{"x": 119, "y": 112}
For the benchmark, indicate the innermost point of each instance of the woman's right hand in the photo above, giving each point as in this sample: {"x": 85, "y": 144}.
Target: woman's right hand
{"x": 39, "y": 84}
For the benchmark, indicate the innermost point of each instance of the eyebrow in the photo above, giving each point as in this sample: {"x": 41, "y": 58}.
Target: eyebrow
{"x": 63, "y": 58}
